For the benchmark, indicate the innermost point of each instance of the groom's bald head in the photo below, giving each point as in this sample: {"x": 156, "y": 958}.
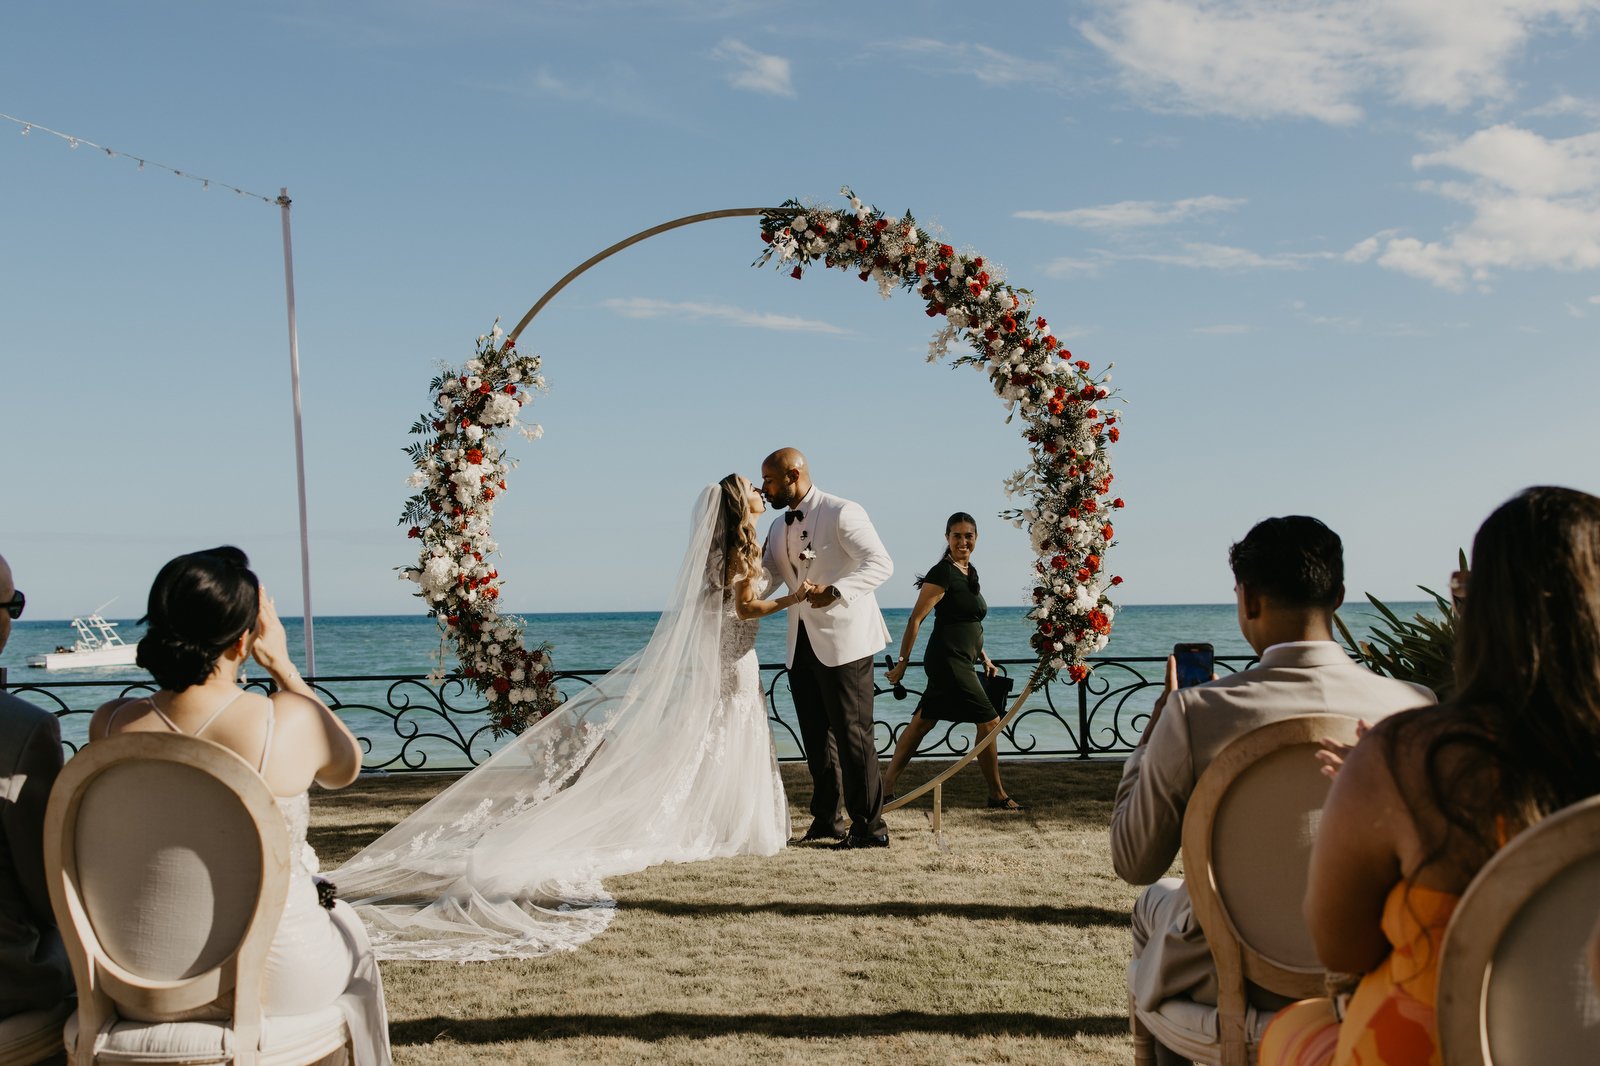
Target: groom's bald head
{"x": 785, "y": 479}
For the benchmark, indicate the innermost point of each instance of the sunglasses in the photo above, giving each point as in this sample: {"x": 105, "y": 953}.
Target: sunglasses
{"x": 15, "y": 604}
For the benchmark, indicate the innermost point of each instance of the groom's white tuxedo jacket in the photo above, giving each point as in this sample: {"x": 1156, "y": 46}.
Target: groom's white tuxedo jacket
{"x": 834, "y": 544}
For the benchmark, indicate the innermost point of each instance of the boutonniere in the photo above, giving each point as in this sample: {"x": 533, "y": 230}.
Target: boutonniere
{"x": 807, "y": 553}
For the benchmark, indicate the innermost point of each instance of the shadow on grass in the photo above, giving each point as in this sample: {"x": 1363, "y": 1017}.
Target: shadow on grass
{"x": 983, "y": 912}
{"x": 667, "y": 1025}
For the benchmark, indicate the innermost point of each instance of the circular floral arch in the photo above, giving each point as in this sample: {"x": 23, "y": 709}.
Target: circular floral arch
{"x": 1063, "y": 403}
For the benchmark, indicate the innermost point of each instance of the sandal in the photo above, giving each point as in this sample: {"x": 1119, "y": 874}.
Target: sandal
{"x": 1005, "y": 803}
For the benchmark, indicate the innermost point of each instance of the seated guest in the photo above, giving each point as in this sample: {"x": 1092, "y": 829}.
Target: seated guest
{"x": 207, "y": 616}
{"x": 1289, "y": 580}
{"x": 1426, "y": 798}
{"x": 34, "y": 972}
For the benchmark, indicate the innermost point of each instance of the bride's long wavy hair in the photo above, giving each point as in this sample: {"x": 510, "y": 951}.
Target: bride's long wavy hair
{"x": 736, "y": 527}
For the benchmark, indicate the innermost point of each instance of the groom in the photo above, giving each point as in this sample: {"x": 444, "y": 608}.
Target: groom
{"x": 832, "y": 641}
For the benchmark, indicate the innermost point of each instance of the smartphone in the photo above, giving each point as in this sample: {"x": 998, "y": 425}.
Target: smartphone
{"x": 1196, "y": 663}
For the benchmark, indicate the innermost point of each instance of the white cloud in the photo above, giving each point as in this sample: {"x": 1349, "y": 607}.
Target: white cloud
{"x": 989, "y": 65}
{"x": 1072, "y": 268}
{"x": 1318, "y": 59}
{"x": 1576, "y": 312}
{"x": 1223, "y": 330}
{"x": 1594, "y": 299}
{"x": 1567, "y": 104}
{"x": 1134, "y": 212}
{"x": 645, "y": 307}
{"x": 755, "y": 70}
{"x": 1201, "y": 256}
{"x": 1535, "y": 205}
{"x": 1522, "y": 161}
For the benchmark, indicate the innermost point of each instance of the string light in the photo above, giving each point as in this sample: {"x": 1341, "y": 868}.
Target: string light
{"x": 205, "y": 183}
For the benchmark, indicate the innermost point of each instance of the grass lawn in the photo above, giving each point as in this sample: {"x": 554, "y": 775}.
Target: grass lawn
{"x": 1006, "y": 942}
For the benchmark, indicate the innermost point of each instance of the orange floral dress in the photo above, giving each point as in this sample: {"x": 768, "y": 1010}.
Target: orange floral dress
{"x": 1390, "y": 1020}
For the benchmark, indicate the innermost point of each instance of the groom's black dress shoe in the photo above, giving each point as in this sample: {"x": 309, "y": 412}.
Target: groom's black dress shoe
{"x": 822, "y": 834}
{"x": 851, "y": 842}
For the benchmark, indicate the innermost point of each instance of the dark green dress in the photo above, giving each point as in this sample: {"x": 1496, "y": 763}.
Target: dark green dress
{"x": 953, "y": 693}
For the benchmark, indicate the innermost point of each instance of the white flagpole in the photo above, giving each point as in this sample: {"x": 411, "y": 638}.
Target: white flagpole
{"x": 299, "y": 438}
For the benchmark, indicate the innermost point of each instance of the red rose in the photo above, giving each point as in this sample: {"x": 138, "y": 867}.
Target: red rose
{"x": 502, "y": 685}
{"x": 465, "y": 422}
{"x": 1090, "y": 506}
{"x": 862, "y": 244}
{"x": 1050, "y": 342}
{"x": 453, "y": 619}
{"x": 1106, "y": 531}
{"x": 946, "y": 251}
{"x": 474, "y": 455}
{"x": 1077, "y": 671}
{"x": 511, "y": 342}
{"x": 922, "y": 267}
{"x": 488, "y": 494}
{"x": 880, "y": 225}
{"x": 1092, "y": 561}
{"x": 510, "y": 390}
{"x": 485, "y": 389}
{"x": 414, "y": 532}
{"x": 1114, "y": 433}
{"x": 1116, "y": 581}
{"x": 1099, "y": 622}
{"x": 1083, "y": 575}
{"x": 1058, "y": 562}
{"x": 941, "y": 272}
{"x": 977, "y": 262}
{"x": 437, "y": 425}
{"x": 1041, "y": 323}
{"x": 766, "y": 238}
{"x": 1008, "y": 323}
{"x": 1118, "y": 502}
{"x": 795, "y": 273}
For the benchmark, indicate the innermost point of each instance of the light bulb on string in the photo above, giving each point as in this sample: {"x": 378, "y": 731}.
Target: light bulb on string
{"x": 73, "y": 141}
{"x": 26, "y": 128}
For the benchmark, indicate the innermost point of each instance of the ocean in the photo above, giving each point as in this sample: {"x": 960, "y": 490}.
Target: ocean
{"x": 368, "y": 645}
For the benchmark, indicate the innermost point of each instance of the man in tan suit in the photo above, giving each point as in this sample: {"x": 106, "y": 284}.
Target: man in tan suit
{"x": 1289, "y": 580}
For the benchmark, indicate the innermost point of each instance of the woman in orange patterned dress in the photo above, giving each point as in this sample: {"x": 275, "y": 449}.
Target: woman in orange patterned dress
{"x": 1423, "y": 801}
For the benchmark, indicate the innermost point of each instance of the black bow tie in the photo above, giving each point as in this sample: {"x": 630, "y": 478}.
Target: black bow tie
{"x": 791, "y": 517}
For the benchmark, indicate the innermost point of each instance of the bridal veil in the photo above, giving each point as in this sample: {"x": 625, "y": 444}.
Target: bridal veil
{"x": 627, "y": 773}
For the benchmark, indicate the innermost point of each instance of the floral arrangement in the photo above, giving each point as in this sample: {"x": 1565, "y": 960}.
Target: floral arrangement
{"x": 461, "y": 468}
{"x": 1062, "y": 404}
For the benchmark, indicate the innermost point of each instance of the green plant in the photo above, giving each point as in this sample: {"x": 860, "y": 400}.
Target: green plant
{"x": 1421, "y": 649}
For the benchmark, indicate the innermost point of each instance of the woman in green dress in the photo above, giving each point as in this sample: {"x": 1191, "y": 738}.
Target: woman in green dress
{"x": 950, "y": 590}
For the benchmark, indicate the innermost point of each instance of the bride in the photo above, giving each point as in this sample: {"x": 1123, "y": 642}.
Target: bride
{"x": 667, "y": 758}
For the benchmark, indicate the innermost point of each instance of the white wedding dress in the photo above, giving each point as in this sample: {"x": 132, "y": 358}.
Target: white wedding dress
{"x": 668, "y": 758}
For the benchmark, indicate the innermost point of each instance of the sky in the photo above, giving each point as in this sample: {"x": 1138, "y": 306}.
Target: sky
{"x": 1344, "y": 257}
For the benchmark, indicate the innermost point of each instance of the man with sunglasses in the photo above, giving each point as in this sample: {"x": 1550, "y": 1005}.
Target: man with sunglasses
{"x": 34, "y": 973}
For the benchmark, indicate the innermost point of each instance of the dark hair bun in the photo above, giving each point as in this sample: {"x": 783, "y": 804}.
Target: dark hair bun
{"x": 200, "y": 604}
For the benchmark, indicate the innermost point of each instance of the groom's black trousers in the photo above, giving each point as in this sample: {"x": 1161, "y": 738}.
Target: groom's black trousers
{"x": 834, "y": 707}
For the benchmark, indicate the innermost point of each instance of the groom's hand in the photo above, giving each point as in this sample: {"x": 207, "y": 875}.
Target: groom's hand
{"x": 823, "y": 597}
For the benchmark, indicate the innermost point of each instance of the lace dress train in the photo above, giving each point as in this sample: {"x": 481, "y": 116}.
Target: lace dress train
{"x": 668, "y": 758}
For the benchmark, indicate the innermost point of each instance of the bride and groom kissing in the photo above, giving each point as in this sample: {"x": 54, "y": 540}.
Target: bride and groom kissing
{"x": 666, "y": 758}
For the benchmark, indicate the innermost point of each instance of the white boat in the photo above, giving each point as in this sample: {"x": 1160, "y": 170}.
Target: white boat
{"x": 98, "y": 644}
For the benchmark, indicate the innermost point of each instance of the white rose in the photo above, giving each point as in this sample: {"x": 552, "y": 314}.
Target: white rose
{"x": 473, "y": 382}
{"x": 801, "y": 223}
{"x": 497, "y": 333}
{"x": 519, "y": 674}
{"x": 472, "y": 366}
{"x": 474, "y": 433}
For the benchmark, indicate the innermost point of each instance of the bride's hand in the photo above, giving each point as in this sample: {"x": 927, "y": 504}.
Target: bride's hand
{"x": 803, "y": 592}
{"x": 271, "y": 648}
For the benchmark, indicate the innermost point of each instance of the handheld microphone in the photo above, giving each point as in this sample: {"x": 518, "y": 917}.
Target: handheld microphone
{"x": 899, "y": 690}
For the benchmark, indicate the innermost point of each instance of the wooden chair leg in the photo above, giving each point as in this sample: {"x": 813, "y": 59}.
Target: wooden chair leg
{"x": 1144, "y": 1044}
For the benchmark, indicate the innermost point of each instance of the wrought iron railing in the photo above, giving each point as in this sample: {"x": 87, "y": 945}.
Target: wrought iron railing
{"x": 410, "y": 723}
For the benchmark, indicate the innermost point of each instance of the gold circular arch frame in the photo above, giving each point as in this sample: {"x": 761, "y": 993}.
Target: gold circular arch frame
{"x": 936, "y": 784}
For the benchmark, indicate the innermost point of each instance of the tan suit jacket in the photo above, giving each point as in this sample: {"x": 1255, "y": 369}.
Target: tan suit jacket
{"x": 1314, "y": 677}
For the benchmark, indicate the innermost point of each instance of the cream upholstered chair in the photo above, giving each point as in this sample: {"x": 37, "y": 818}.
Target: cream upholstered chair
{"x": 168, "y": 865}
{"x": 1514, "y": 984}
{"x": 1247, "y": 836}
{"x": 32, "y": 1036}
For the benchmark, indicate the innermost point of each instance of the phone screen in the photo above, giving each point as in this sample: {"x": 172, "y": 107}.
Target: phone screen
{"x": 1196, "y": 663}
